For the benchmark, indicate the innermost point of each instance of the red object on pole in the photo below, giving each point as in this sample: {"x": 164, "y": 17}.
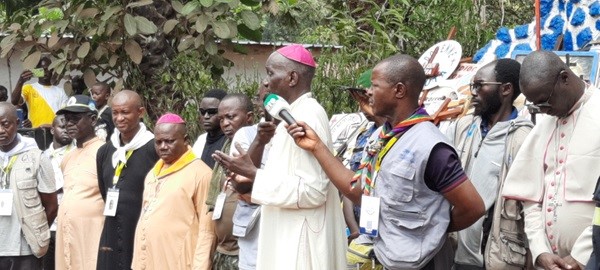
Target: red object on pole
{"x": 537, "y": 25}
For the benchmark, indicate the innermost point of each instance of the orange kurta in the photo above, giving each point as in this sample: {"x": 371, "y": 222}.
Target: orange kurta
{"x": 175, "y": 230}
{"x": 80, "y": 217}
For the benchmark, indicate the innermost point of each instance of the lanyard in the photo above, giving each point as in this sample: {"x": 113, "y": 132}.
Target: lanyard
{"x": 6, "y": 171}
{"x": 119, "y": 168}
{"x": 384, "y": 151}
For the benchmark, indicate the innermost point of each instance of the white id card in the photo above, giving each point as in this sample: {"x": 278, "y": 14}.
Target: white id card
{"x": 219, "y": 206}
{"x": 6, "y": 202}
{"x": 112, "y": 199}
{"x": 369, "y": 215}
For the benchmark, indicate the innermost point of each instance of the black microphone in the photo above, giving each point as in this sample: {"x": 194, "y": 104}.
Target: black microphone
{"x": 277, "y": 107}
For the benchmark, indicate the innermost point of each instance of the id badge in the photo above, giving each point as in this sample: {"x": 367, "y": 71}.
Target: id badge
{"x": 112, "y": 199}
{"x": 6, "y": 202}
{"x": 219, "y": 206}
{"x": 369, "y": 215}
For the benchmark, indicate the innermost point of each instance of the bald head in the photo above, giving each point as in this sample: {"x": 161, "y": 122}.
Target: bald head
{"x": 548, "y": 82}
{"x": 402, "y": 68}
{"x": 129, "y": 97}
{"x": 540, "y": 68}
{"x": 127, "y": 110}
{"x": 8, "y": 110}
{"x": 9, "y": 123}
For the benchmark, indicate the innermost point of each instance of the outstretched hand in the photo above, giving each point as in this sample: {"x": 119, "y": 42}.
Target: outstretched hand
{"x": 240, "y": 164}
{"x": 304, "y": 136}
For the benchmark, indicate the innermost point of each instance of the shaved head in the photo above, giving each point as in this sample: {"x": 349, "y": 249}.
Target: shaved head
{"x": 129, "y": 97}
{"x": 540, "y": 68}
{"x": 402, "y": 68}
{"x": 545, "y": 79}
{"x": 8, "y": 110}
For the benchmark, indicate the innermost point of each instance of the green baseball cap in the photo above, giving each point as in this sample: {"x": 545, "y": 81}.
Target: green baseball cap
{"x": 363, "y": 82}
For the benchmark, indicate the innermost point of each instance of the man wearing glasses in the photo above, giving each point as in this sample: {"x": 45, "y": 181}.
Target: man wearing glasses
{"x": 555, "y": 172}
{"x": 487, "y": 142}
{"x": 213, "y": 138}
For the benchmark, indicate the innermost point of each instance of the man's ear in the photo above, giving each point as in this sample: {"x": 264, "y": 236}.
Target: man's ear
{"x": 293, "y": 77}
{"x": 142, "y": 111}
{"x": 400, "y": 90}
{"x": 507, "y": 89}
{"x": 250, "y": 117}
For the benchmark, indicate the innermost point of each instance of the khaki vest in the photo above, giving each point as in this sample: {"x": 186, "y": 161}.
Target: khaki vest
{"x": 28, "y": 204}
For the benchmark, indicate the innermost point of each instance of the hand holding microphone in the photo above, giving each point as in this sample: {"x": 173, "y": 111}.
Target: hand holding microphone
{"x": 278, "y": 108}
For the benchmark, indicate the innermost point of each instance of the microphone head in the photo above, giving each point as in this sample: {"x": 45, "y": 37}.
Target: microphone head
{"x": 274, "y": 104}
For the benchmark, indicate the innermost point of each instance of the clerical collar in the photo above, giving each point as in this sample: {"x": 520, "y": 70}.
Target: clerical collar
{"x": 582, "y": 100}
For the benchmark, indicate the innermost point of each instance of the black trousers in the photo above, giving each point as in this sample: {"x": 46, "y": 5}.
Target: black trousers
{"x": 29, "y": 262}
{"x": 48, "y": 259}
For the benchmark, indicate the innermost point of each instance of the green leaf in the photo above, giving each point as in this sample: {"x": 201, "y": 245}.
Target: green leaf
{"x": 83, "y": 50}
{"x": 232, "y": 28}
{"x": 139, "y": 3}
{"x": 221, "y": 29}
{"x": 199, "y": 41}
{"x": 110, "y": 12}
{"x": 89, "y": 13}
{"x": 130, "y": 24}
{"x": 211, "y": 47}
{"x": 201, "y": 23}
{"x": 206, "y": 3}
{"x": 113, "y": 60}
{"x": 189, "y": 7}
{"x": 145, "y": 26}
{"x": 185, "y": 43}
{"x": 89, "y": 77}
{"x": 292, "y": 2}
{"x": 223, "y": 1}
{"x": 250, "y": 19}
{"x": 250, "y": 3}
{"x": 170, "y": 25}
{"x": 240, "y": 49}
{"x": 32, "y": 60}
{"x": 177, "y": 6}
{"x": 134, "y": 51}
{"x": 248, "y": 33}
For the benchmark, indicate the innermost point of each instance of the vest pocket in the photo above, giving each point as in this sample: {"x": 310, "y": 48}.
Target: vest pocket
{"x": 29, "y": 193}
{"x": 38, "y": 225}
{"x": 403, "y": 183}
{"x": 512, "y": 248}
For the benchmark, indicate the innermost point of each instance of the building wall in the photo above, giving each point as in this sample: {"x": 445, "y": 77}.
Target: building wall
{"x": 248, "y": 67}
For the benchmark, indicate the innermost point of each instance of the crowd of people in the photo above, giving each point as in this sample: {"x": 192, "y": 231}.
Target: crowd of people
{"x": 494, "y": 191}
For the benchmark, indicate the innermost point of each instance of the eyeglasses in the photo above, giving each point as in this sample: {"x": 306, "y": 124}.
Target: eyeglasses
{"x": 76, "y": 117}
{"x": 211, "y": 111}
{"x": 538, "y": 107}
{"x": 475, "y": 86}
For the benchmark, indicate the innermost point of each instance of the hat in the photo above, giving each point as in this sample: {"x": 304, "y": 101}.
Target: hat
{"x": 364, "y": 80}
{"x": 298, "y": 54}
{"x": 79, "y": 104}
{"x": 170, "y": 118}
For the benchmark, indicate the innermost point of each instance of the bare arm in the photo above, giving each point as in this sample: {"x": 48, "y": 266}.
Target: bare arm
{"x": 50, "y": 204}
{"x": 15, "y": 97}
{"x": 265, "y": 132}
{"x": 348, "y": 210}
{"x": 467, "y": 206}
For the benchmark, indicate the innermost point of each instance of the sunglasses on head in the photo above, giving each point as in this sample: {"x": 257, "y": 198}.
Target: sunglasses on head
{"x": 211, "y": 111}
